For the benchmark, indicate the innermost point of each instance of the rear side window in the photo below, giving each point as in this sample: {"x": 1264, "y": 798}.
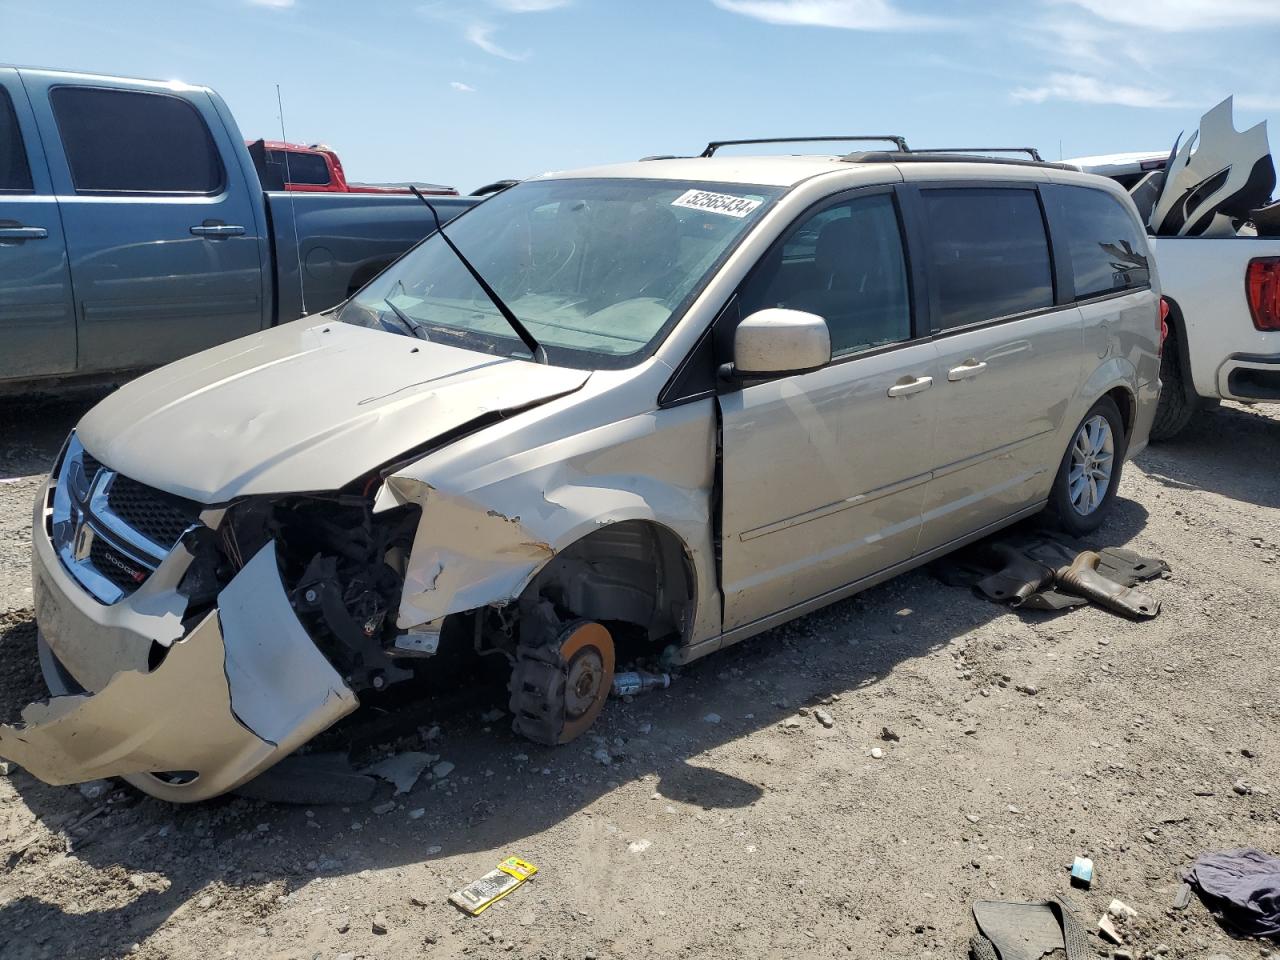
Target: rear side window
{"x": 844, "y": 263}
{"x": 1108, "y": 251}
{"x": 121, "y": 141}
{"x": 987, "y": 254}
{"x": 14, "y": 172}
{"x": 305, "y": 169}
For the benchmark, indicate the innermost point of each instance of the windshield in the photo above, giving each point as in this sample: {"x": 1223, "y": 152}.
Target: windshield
{"x": 598, "y": 270}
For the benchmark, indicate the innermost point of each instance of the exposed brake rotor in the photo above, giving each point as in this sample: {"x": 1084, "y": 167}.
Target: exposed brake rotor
{"x": 558, "y": 689}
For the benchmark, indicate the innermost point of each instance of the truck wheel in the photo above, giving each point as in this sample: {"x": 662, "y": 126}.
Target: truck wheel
{"x": 559, "y": 688}
{"x": 1089, "y": 474}
{"x": 1174, "y": 409}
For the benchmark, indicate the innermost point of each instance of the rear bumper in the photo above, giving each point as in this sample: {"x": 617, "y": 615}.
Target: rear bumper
{"x": 232, "y": 694}
{"x": 1246, "y": 376}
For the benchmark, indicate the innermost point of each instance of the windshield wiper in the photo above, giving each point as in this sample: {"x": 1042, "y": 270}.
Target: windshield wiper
{"x": 411, "y": 324}
{"x": 539, "y": 352}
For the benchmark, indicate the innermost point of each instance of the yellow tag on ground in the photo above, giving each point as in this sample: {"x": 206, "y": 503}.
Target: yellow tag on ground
{"x": 479, "y": 895}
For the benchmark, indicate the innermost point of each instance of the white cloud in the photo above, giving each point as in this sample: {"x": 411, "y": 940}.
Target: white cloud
{"x": 529, "y": 6}
{"x": 481, "y": 34}
{"x": 1262, "y": 103}
{"x": 461, "y": 87}
{"x": 273, "y": 4}
{"x": 845, "y": 14}
{"x": 1178, "y": 16}
{"x": 1078, "y": 88}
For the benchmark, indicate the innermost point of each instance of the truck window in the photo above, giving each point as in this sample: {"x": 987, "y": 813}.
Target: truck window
{"x": 305, "y": 169}
{"x": 987, "y": 253}
{"x": 1108, "y": 251}
{"x": 120, "y": 141}
{"x": 845, "y": 264}
{"x": 14, "y": 173}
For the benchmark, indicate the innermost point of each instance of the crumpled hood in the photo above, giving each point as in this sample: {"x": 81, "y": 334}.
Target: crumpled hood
{"x": 306, "y": 406}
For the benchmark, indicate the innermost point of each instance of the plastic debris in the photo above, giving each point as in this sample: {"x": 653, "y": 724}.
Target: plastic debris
{"x": 479, "y": 895}
{"x": 403, "y": 769}
{"x": 1082, "y": 872}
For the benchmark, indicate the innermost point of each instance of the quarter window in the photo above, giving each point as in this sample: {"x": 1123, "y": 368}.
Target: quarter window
{"x": 1108, "y": 251}
{"x": 14, "y": 172}
{"x": 120, "y": 141}
{"x": 987, "y": 254}
{"x": 845, "y": 264}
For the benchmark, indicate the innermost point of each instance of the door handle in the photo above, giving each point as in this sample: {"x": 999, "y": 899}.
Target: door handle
{"x": 217, "y": 230}
{"x": 23, "y": 233}
{"x": 910, "y": 385}
{"x": 970, "y": 368}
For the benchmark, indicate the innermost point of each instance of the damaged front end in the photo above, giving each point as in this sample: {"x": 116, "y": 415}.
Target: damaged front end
{"x": 189, "y": 648}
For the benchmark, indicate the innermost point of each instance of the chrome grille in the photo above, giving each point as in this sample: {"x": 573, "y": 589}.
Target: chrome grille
{"x": 112, "y": 532}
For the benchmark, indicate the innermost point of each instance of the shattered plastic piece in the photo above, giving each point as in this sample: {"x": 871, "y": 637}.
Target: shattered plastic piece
{"x": 402, "y": 769}
{"x": 1082, "y": 872}
{"x": 1107, "y": 930}
{"x": 1083, "y": 577}
{"x": 479, "y": 895}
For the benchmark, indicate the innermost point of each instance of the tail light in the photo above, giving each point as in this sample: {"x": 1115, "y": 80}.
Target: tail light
{"x": 1162, "y": 325}
{"x": 1262, "y": 285}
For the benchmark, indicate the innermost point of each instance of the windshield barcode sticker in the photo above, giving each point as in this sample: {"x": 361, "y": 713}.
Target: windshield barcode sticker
{"x": 722, "y": 203}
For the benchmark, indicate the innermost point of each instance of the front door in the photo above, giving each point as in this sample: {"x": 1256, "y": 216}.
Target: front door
{"x": 37, "y": 316}
{"x": 163, "y": 235}
{"x": 823, "y": 473}
{"x": 1009, "y": 357}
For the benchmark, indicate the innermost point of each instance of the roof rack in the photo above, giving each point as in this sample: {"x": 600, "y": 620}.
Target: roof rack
{"x": 1031, "y": 152}
{"x": 925, "y": 156}
{"x": 714, "y": 145}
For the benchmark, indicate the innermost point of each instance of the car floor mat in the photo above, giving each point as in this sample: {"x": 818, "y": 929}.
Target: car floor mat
{"x": 1027, "y": 931}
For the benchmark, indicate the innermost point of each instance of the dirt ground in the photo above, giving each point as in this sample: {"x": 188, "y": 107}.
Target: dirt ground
{"x": 728, "y": 821}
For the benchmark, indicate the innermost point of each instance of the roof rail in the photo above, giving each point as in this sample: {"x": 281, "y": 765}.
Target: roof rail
{"x": 1031, "y": 152}
{"x": 714, "y": 145}
{"x": 924, "y": 156}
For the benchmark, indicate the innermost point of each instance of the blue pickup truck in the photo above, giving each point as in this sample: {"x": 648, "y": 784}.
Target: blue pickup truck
{"x": 134, "y": 229}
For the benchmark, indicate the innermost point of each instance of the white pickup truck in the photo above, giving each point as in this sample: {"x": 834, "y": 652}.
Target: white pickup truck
{"x": 1219, "y": 273}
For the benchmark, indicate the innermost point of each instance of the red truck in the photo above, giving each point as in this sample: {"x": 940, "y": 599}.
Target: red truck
{"x": 317, "y": 169}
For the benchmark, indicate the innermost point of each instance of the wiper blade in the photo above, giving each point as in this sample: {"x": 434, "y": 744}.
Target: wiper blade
{"x": 413, "y": 326}
{"x": 539, "y": 352}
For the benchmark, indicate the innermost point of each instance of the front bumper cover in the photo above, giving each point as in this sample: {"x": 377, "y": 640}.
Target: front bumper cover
{"x": 242, "y": 689}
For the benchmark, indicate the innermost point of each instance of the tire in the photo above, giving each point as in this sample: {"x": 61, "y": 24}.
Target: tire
{"x": 1080, "y": 510}
{"x": 1174, "y": 410}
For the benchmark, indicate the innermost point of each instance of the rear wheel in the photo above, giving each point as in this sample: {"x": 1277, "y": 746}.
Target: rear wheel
{"x": 559, "y": 688}
{"x": 1174, "y": 409}
{"x": 1090, "y": 470}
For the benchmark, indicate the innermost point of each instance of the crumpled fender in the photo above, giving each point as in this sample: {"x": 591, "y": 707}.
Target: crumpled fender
{"x": 487, "y": 530}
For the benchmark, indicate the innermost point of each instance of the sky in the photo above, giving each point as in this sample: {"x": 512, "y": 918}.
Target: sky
{"x": 470, "y": 91}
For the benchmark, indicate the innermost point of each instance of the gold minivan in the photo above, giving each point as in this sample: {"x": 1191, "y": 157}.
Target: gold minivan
{"x": 678, "y": 401}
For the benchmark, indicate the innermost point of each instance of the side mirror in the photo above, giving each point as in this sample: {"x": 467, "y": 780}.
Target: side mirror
{"x": 776, "y": 341}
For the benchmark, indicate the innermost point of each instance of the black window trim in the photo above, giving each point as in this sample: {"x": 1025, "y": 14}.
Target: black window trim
{"x": 22, "y": 142}
{"x": 223, "y": 182}
{"x": 727, "y": 320}
{"x": 1057, "y": 253}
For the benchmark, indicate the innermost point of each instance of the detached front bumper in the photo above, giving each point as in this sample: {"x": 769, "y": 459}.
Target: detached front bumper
{"x": 236, "y": 692}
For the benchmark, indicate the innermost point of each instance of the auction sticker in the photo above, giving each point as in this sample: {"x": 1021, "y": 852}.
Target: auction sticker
{"x": 725, "y": 204}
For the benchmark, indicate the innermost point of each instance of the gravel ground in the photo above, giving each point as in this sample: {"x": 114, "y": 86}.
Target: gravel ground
{"x": 728, "y": 821}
